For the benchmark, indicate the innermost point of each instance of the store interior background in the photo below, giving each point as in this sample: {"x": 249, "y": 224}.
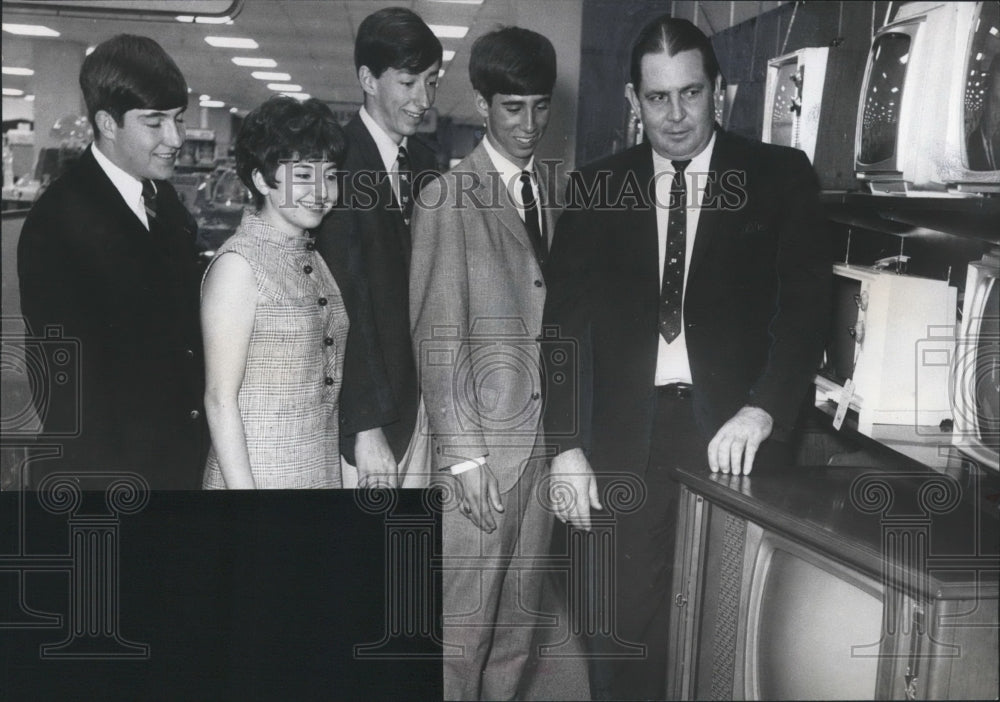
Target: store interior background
{"x": 312, "y": 41}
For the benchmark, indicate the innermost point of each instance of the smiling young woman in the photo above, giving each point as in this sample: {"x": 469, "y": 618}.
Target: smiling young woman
{"x": 272, "y": 315}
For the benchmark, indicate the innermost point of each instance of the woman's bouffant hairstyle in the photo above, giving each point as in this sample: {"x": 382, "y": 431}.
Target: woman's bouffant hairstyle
{"x": 286, "y": 129}
{"x": 130, "y": 72}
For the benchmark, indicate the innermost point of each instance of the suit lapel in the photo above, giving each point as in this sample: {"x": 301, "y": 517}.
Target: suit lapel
{"x": 640, "y": 228}
{"x": 710, "y": 218}
{"x": 104, "y": 191}
{"x": 504, "y": 210}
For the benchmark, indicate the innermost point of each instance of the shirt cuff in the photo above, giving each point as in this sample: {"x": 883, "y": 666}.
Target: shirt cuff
{"x": 464, "y": 466}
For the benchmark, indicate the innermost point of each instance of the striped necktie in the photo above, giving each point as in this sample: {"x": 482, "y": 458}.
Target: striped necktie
{"x": 149, "y": 200}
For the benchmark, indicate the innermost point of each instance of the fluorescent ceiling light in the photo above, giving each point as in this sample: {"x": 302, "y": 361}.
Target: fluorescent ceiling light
{"x": 448, "y": 31}
{"x": 231, "y": 42}
{"x": 298, "y": 96}
{"x": 204, "y": 97}
{"x": 254, "y": 62}
{"x": 15, "y": 71}
{"x": 212, "y": 103}
{"x": 185, "y": 18}
{"x": 90, "y": 50}
{"x": 30, "y": 30}
{"x": 13, "y": 92}
{"x": 29, "y": 98}
{"x": 440, "y": 73}
{"x": 448, "y": 56}
{"x": 461, "y": 2}
{"x": 271, "y": 75}
{"x": 233, "y": 110}
{"x": 284, "y": 87}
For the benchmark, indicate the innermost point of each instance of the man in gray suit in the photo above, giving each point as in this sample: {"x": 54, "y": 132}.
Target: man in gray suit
{"x": 480, "y": 236}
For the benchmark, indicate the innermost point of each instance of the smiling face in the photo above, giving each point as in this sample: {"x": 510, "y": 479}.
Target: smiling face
{"x": 675, "y": 102}
{"x": 304, "y": 193}
{"x": 397, "y": 99}
{"x": 145, "y": 144}
{"x": 515, "y": 123}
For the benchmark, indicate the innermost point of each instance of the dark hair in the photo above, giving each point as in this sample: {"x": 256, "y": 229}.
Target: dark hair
{"x": 512, "y": 61}
{"x": 129, "y": 72}
{"x": 285, "y": 129}
{"x": 395, "y": 38}
{"x": 670, "y": 35}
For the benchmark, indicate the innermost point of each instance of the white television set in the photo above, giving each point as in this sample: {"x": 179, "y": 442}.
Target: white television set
{"x": 975, "y": 382}
{"x": 931, "y": 89}
{"x": 891, "y": 338}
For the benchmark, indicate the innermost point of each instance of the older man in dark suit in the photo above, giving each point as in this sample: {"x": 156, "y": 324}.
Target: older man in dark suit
{"x": 107, "y": 258}
{"x": 367, "y": 245}
{"x": 693, "y": 271}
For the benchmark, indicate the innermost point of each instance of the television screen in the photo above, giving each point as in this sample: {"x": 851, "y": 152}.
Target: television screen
{"x": 982, "y": 92}
{"x": 987, "y": 374}
{"x": 812, "y": 625}
{"x": 887, "y": 78}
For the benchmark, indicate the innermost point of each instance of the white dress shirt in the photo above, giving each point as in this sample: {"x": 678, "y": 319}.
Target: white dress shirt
{"x": 388, "y": 149}
{"x": 127, "y": 185}
{"x": 672, "y": 365}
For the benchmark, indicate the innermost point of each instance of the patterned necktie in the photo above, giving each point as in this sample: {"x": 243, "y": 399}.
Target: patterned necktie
{"x": 405, "y": 197}
{"x": 672, "y": 288}
{"x": 149, "y": 200}
{"x": 531, "y": 217}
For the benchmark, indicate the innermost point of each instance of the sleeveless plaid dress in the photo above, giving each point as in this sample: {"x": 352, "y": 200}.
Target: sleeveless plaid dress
{"x": 295, "y": 362}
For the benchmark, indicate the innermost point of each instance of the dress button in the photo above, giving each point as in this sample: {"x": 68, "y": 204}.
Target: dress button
{"x": 328, "y": 341}
{"x": 322, "y": 301}
{"x": 310, "y": 246}
{"x": 328, "y": 381}
{"x": 308, "y": 270}
{"x": 538, "y": 283}
{"x": 194, "y": 414}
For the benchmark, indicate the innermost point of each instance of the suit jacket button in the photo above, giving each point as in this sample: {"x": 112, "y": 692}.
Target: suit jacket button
{"x": 322, "y": 301}
{"x": 328, "y": 381}
{"x": 535, "y": 396}
{"x": 189, "y": 353}
{"x": 194, "y": 414}
{"x": 538, "y": 283}
{"x": 308, "y": 270}
{"x": 328, "y": 341}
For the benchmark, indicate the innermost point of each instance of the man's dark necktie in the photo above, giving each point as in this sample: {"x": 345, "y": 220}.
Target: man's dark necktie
{"x": 149, "y": 200}
{"x": 672, "y": 288}
{"x": 531, "y": 220}
{"x": 405, "y": 192}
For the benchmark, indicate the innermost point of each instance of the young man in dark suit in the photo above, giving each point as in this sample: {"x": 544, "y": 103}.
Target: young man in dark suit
{"x": 694, "y": 272}
{"x": 107, "y": 259}
{"x": 367, "y": 245}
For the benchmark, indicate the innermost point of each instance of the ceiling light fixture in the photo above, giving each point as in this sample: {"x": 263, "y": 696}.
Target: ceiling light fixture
{"x": 447, "y": 56}
{"x": 448, "y": 31}
{"x": 15, "y": 71}
{"x": 284, "y": 87}
{"x": 251, "y": 62}
{"x": 271, "y": 75}
{"x": 298, "y": 96}
{"x": 212, "y": 103}
{"x": 12, "y": 92}
{"x": 231, "y": 42}
{"x": 30, "y": 30}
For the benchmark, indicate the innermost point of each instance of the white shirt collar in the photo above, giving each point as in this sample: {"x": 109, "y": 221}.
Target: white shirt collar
{"x": 126, "y": 184}
{"x": 699, "y": 164}
{"x": 508, "y": 171}
{"x": 388, "y": 149}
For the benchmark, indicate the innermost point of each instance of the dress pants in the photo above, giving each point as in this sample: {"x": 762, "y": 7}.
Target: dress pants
{"x": 491, "y": 592}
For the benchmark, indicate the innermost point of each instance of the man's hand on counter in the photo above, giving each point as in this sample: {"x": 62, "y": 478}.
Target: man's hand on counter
{"x": 734, "y": 446}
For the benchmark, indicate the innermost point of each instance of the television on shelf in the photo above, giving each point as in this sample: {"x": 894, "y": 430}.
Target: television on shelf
{"x": 889, "y": 348}
{"x": 794, "y": 98}
{"x": 975, "y": 385}
{"x": 929, "y": 111}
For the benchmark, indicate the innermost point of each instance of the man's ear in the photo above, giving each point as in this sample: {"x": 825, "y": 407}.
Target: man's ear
{"x": 107, "y": 127}
{"x": 482, "y": 104}
{"x": 368, "y": 80}
{"x": 633, "y": 99}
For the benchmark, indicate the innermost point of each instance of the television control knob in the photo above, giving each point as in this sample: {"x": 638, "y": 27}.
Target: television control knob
{"x": 857, "y": 332}
{"x": 680, "y": 600}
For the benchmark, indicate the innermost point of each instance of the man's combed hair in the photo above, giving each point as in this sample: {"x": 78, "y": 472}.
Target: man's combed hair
{"x": 395, "y": 38}
{"x": 671, "y": 35}
{"x": 512, "y": 61}
{"x": 285, "y": 129}
{"x": 130, "y": 72}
